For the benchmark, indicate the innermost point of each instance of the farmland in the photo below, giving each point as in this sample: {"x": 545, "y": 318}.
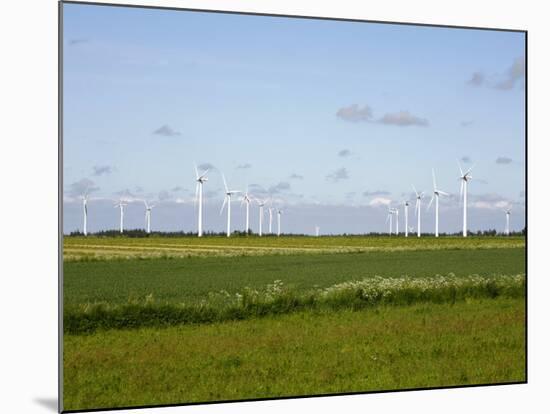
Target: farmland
{"x": 474, "y": 342}
{"x": 171, "y": 279}
{"x": 204, "y": 319}
{"x": 101, "y": 248}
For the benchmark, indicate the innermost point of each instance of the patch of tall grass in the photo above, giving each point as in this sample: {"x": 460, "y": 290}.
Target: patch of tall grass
{"x": 277, "y": 298}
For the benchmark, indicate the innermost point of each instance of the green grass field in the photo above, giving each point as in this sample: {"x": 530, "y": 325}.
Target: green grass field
{"x": 298, "y": 346}
{"x": 475, "y": 342}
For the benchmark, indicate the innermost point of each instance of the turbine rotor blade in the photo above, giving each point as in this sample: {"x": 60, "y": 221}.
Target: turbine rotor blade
{"x": 223, "y": 205}
{"x": 204, "y": 173}
{"x": 433, "y": 177}
{"x": 460, "y": 168}
{"x": 431, "y": 201}
{"x": 225, "y": 183}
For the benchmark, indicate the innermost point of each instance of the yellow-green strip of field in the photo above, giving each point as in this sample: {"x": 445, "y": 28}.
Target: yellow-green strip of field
{"x": 105, "y": 248}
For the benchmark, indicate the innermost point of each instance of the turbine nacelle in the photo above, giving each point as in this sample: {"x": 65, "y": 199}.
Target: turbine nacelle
{"x": 201, "y": 178}
{"x": 261, "y": 203}
{"x": 418, "y": 195}
{"x": 436, "y": 191}
{"x": 227, "y": 198}
{"x": 246, "y": 198}
{"x": 147, "y": 206}
{"x": 120, "y": 204}
{"x": 464, "y": 177}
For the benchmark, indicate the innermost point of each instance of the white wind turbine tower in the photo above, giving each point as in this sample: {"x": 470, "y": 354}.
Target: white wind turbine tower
{"x": 435, "y": 196}
{"x": 270, "y": 210}
{"x": 227, "y": 200}
{"x": 464, "y": 178}
{"x": 417, "y": 209}
{"x": 406, "y": 207}
{"x": 396, "y": 212}
{"x": 317, "y": 230}
{"x": 148, "y": 209}
{"x": 279, "y": 212}
{"x": 261, "y": 204}
{"x": 121, "y": 204}
{"x": 85, "y": 211}
{"x": 389, "y": 218}
{"x": 246, "y": 200}
{"x": 201, "y": 179}
{"x": 507, "y": 228}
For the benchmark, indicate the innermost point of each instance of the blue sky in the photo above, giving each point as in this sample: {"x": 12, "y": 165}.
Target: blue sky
{"x": 334, "y": 120}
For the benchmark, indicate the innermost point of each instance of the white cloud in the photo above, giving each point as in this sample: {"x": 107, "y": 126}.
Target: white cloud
{"x": 403, "y": 119}
{"x": 379, "y": 201}
{"x": 354, "y": 113}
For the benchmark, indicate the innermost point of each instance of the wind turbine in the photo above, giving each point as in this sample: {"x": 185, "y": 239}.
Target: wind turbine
{"x": 121, "y": 204}
{"x": 227, "y": 200}
{"x": 270, "y": 210}
{"x": 201, "y": 179}
{"x": 279, "y": 212}
{"x": 417, "y": 209}
{"x": 85, "y": 211}
{"x": 389, "y": 218}
{"x": 396, "y": 212}
{"x": 317, "y": 229}
{"x": 435, "y": 196}
{"x": 261, "y": 204}
{"x": 246, "y": 199}
{"x": 148, "y": 209}
{"x": 507, "y": 228}
{"x": 464, "y": 178}
{"x": 406, "y": 207}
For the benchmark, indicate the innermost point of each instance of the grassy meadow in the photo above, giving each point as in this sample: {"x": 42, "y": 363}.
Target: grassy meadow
{"x": 172, "y": 320}
{"x": 475, "y": 342}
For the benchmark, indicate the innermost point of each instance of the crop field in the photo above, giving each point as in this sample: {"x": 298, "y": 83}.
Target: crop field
{"x": 162, "y": 320}
{"x": 171, "y": 279}
{"x": 93, "y": 248}
{"x": 183, "y": 280}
